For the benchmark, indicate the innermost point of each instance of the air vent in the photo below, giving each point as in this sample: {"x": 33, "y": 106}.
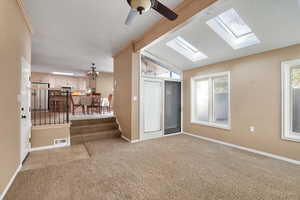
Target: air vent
{"x": 61, "y": 142}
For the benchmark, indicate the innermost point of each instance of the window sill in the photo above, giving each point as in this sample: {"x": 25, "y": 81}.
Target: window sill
{"x": 291, "y": 138}
{"x": 213, "y": 125}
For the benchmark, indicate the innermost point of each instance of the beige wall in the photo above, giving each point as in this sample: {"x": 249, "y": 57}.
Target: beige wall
{"x": 122, "y": 90}
{"x": 45, "y": 135}
{"x": 255, "y": 101}
{"x": 126, "y": 91}
{"x": 15, "y": 42}
{"x": 105, "y": 84}
{"x": 58, "y": 81}
{"x": 135, "y": 95}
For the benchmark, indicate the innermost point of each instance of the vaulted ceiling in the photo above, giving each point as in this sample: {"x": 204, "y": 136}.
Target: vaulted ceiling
{"x": 69, "y": 35}
{"x": 275, "y": 22}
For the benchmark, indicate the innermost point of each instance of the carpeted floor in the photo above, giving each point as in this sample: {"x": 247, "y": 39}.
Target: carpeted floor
{"x": 179, "y": 167}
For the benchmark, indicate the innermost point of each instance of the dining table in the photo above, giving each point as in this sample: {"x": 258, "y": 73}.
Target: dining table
{"x": 88, "y": 101}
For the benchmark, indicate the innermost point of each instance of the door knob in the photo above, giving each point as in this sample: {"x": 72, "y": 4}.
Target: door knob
{"x": 23, "y": 116}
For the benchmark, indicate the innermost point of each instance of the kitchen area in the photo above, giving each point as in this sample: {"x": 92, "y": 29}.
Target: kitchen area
{"x": 82, "y": 96}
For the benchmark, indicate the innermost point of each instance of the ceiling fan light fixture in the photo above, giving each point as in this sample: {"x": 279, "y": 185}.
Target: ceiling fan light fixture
{"x": 142, "y": 6}
{"x": 140, "y": 10}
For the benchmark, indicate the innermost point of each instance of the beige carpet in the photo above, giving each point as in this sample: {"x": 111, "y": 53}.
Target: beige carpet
{"x": 179, "y": 167}
{"x": 59, "y": 156}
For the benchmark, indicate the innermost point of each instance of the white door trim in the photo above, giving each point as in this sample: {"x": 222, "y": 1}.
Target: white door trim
{"x": 24, "y": 63}
{"x": 160, "y": 133}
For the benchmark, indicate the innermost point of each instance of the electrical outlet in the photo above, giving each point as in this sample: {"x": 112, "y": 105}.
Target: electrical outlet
{"x": 252, "y": 129}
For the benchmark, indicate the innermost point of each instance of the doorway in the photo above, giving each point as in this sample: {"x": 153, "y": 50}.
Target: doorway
{"x": 160, "y": 99}
{"x": 172, "y": 107}
{"x": 25, "y": 101}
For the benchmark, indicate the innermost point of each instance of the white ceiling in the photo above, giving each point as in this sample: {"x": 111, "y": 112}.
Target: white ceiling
{"x": 275, "y": 22}
{"x": 71, "y": 34}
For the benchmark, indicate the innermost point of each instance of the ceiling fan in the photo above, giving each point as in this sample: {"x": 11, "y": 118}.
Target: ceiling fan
{"x": 142, "y": 6}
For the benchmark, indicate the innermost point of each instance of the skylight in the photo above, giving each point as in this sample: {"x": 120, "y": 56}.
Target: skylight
{"x": 232, "y": 28}
{"x": 186, "y": 49}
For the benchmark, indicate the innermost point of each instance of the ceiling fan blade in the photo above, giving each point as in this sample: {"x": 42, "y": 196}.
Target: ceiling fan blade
{"x": 131, "y": 16}
{"x": 163, "y": 10}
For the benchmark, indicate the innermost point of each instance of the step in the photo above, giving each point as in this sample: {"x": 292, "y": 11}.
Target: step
{"x": 75, "y": 130}
{"x": 79, "y": 139}
{"x": 84, "y": 122}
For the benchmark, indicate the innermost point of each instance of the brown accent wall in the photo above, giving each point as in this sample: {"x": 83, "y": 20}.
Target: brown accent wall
{"x": 15, "y": 40}
{"x": 255, "y": 101}
{"x": 45, "y": 135}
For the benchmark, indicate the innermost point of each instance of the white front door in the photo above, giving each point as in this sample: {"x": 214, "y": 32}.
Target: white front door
{"x": 25, "y": 115}
{"x": 152, "y": 109}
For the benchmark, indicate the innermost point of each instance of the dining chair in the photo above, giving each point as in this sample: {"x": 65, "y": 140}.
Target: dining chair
{"x": 87, "y": 102}
{"x": 110, "y": 96}
{"x": 96, "y": 103}
{"x": 106, "y": 104}
{"x": 76, "y": 104}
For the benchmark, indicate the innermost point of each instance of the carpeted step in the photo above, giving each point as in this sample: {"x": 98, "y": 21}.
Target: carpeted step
{"x": 92, "y": 121}
{"x": 81, "y": 138}
{"x": 93, "y": 128}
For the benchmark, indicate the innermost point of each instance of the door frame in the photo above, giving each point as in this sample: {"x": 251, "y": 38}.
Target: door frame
{"x": 24, "y": 62}
{"x": 141, "y": 110}
{"x": 161, "y": 132}
{"x": 140, "y": 89}
{"x": 181, "y": 105}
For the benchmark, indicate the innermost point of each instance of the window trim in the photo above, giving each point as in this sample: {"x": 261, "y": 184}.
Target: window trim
{"x": 192, "y": 96}
{"x": 286, "y": 112}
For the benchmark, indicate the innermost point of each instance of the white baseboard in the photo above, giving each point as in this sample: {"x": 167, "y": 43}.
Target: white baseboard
{"x": 135, "y": 141}
{"x": 125, "y": 138}
{"x": 10, "y": 182}
{"x": 117, "y": 121}
{"x": 48, "y": 147}
{"x": 128, "y": 140}
{"x": 172, "y": 134}
{"x": 51, "y": 146}
{"x": 297, "y": 162}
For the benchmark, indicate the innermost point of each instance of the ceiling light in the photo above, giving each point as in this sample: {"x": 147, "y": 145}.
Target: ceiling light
{"x": 186, "y": 49}
{"x": 232, "y": 28}
{"x": 93, "y": 74}
{"x": 63, "y": 73}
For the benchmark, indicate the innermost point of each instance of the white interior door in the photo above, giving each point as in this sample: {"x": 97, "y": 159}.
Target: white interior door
{"x": 25, "y": 99}
{"x": 152, "y": 109}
